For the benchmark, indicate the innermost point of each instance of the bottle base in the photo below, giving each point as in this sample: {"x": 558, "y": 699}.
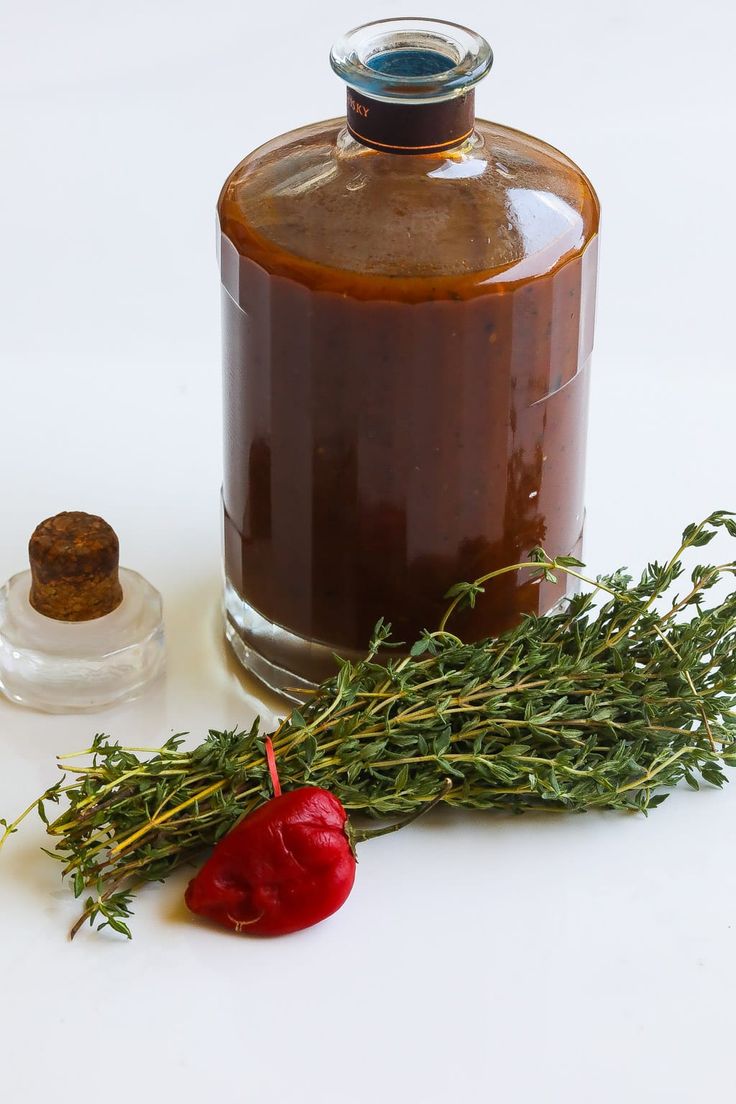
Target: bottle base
{"x": 274, "y": 678}
{"x": 273, "y": 654}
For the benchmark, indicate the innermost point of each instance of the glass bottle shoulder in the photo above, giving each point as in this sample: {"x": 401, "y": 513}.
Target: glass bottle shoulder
{"x": 321, "y": 208}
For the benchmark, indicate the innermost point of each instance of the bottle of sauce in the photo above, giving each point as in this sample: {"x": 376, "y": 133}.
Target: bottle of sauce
{"x": 408, "y": 300}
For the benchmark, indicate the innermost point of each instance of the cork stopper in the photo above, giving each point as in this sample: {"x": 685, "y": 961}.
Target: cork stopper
{"x": 74, "y": 567}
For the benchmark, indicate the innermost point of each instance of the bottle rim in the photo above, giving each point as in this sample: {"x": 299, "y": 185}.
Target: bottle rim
{"x": 360, "y": 58}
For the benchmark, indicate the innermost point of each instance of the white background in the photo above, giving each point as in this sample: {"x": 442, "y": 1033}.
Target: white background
{"x": 576, "y": 959}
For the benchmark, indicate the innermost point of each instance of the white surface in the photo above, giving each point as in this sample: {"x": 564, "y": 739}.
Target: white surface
{"x": 478, "y": 958}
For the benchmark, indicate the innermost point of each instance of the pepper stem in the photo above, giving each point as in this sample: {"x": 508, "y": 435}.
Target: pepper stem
{"x": 272, "y": 769}
{"x": 360, "y": 835}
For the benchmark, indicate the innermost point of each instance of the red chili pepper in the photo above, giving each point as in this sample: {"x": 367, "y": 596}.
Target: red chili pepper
{"x": 287, "y": 865}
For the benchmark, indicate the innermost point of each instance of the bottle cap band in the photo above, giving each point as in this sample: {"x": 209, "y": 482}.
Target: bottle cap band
{"x": 413, "y": 128}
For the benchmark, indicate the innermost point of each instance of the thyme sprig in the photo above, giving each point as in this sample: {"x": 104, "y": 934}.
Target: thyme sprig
{"x": 624, "y": 693}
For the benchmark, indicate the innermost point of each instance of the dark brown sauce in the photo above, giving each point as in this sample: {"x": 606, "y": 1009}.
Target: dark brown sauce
{"x": 388, "y": 437}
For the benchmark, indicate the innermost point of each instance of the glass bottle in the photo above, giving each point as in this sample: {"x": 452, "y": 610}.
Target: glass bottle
{"x": 78, "y": 633}
{"x": 408, "y": 301}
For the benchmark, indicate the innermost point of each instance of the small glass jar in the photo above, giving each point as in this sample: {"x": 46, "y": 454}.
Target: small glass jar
{"x": 408, "y": 300}
{"x": 100, "y": 641}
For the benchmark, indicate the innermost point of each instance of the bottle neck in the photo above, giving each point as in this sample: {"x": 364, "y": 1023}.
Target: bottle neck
{"x": 414, "y": 128}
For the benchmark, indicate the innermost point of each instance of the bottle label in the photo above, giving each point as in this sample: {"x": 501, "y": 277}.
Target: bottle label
{"x": 410, "y": 127}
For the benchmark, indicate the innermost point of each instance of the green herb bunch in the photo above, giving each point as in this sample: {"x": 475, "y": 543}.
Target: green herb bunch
{"x": 627, "y": 691}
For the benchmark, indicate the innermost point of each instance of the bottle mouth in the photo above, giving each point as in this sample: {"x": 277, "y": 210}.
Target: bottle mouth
{"x": 411, "y": 59}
